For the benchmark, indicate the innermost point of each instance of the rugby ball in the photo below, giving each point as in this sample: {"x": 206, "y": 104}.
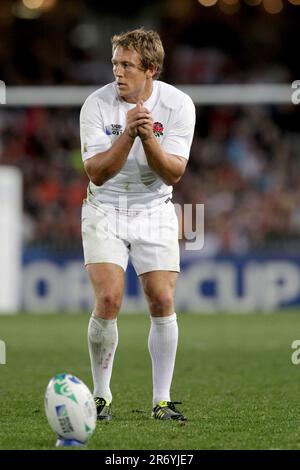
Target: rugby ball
{"x": 70, "y": 408}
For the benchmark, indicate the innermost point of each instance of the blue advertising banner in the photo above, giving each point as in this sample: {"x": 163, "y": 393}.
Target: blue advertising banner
{"x": 249, "y": 283}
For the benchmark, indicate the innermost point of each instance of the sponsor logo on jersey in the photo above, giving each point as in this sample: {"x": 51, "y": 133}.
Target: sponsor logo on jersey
{"x": 158, "y": 129}
{"x": 113, "y": 129}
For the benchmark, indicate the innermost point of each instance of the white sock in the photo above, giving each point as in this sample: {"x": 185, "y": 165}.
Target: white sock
{"x": 162, "y": 344}
{"x": 102, "y": 342}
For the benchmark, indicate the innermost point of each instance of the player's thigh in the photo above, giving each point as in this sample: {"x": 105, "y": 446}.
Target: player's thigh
{"x": 158, "y": 281}
{"x": 108, "y": 281}
{"x": 159, "y": 288}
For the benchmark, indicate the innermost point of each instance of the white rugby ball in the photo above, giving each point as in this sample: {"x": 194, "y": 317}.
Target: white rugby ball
{"x": 70, "y": 408}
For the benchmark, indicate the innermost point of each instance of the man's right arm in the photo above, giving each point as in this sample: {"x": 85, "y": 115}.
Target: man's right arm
{"x": 105, "y": 163}
{"x": 103, "y": 166}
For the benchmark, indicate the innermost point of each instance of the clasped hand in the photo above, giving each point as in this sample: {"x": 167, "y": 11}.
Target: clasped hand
{"x": 139, "y": 122}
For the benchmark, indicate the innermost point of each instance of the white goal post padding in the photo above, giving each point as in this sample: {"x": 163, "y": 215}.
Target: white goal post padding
{"x": 10, "y": 239}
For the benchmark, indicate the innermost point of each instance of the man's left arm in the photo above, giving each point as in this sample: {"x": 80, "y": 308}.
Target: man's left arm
{"x": 168, "y": 167}
{"x": 169, "y": 160}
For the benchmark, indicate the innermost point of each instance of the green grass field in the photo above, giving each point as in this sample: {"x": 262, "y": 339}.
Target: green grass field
{"x": 234, "y": 375}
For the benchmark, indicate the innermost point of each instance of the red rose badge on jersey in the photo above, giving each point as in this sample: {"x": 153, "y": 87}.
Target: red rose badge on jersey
{"x": 158, "y": 129}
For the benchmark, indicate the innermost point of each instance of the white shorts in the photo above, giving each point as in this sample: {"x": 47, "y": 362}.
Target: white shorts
{"x": 149, "y": 237}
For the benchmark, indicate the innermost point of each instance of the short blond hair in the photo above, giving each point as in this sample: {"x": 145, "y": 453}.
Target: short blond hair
{"x": 146, "y": 43}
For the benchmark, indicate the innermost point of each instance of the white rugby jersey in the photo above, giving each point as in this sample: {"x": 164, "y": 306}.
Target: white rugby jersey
{"x": 103, "y": 119}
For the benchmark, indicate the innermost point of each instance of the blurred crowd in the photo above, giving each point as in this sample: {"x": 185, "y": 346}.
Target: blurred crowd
{"x": 244, "y": 167}
{"x": 44, "y": 144}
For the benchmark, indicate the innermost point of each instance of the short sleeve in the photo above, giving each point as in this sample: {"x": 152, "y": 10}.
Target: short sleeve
{"x": 180, "y": 134}
{"x": 92, "y": 133}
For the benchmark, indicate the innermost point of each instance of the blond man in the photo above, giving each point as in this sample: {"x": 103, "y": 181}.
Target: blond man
{"x": 136, "y": 135}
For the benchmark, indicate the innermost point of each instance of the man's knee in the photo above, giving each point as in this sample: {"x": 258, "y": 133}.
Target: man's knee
{"x": 161, "y": 303}
{"x": 108, "y": 303}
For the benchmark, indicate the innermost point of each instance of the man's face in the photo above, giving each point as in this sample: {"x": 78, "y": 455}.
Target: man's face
{"x": 133, "y": 82}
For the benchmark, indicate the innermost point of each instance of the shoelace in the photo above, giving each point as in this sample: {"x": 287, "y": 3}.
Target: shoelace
{"x": 171, "y": 405}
